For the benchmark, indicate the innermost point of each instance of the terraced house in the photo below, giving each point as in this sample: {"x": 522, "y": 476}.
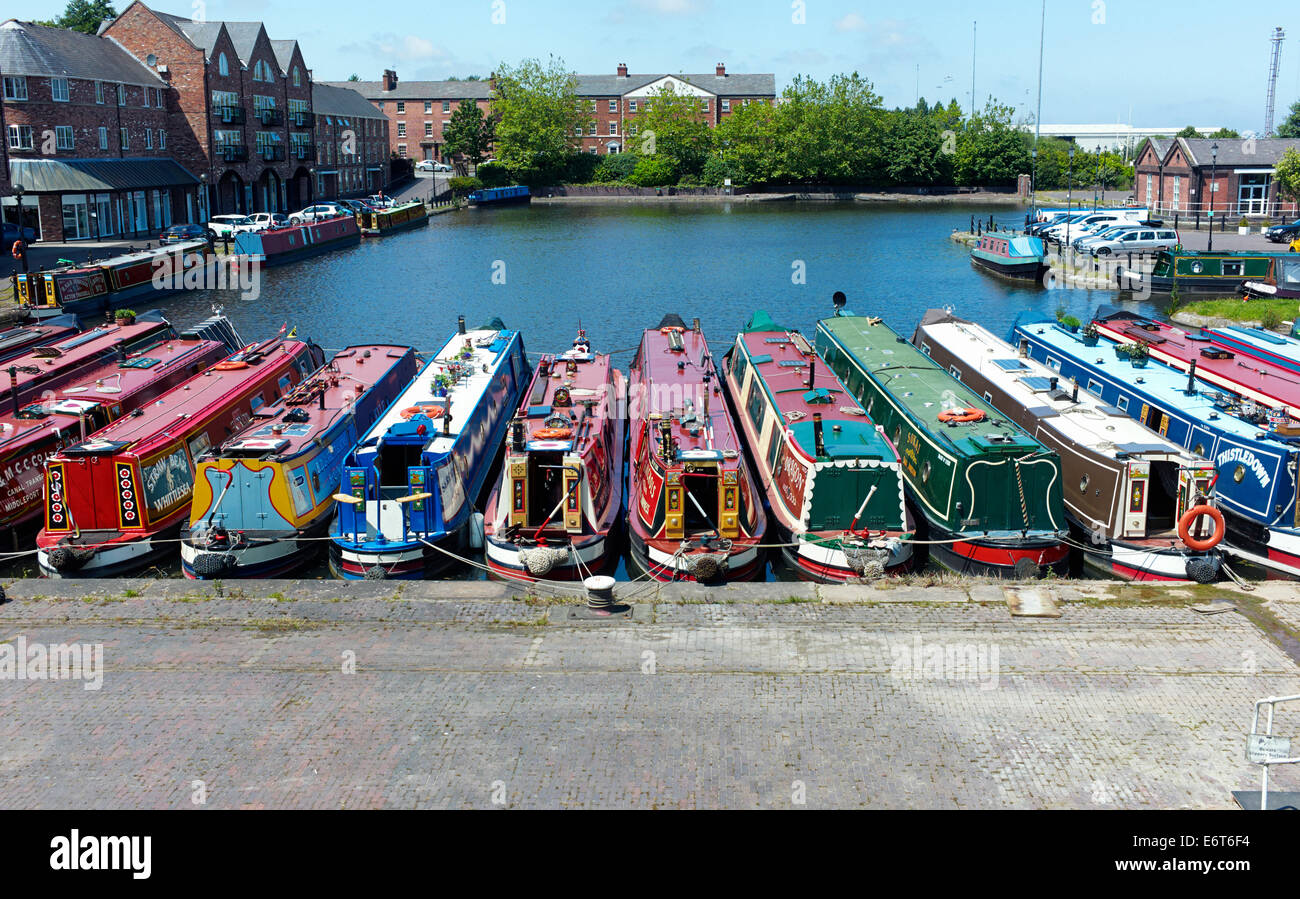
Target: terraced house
{"x": 351, "y": 143}
{"x": 242, "y": 101}
{"x": 87, "y": 137}
{"x": 1231, "y": 177}
{"x": 420, "y": 111}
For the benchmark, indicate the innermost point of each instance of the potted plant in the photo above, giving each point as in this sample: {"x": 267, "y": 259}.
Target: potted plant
{"x": 1070, "y": 323}
{"x": 1243, "y": 226}
{"x": 125, "y": 316}
{"x": 1090, "y": 334}
{"x": 1136, "y": 353}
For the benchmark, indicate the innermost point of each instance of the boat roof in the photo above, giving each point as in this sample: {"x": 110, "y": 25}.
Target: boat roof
{"x": 918, "y": 384}
{"x": 588, "y": 382}
{"x": 153, "y": 426}
{"x": 1163, "y": 384}
{"x": 675, "y": 378}
{"x": 781, "y": 359}
{"x": 1085, "y": 421}
{"x": 1270, "y": 341}
{"x": 345, "y": 378}
{"x": 1016, "y": 247}
{"x": 488, "y": 347}
{"x": 132, "y": 257}
{"x": 43, "y": 362}
{"x": 1252, "y": 373}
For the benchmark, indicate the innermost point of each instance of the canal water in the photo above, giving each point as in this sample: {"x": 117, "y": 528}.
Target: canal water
{"x": 616, "y": 269}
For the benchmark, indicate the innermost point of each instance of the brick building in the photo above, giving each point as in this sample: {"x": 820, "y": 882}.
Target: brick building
{"x": 86, "y": 135}
{"x": 351, "y": 143}
{"x": 241, "y": 106}
{"x": 419, "y": 111}
{"x": 1186, "y": 177}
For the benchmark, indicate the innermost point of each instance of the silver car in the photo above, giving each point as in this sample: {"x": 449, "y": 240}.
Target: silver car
{"x": 1142, "y": 240}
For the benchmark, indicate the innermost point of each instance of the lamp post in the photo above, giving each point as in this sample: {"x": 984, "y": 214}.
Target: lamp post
{"x": 1069, "y": 196}
{"x": 203, "y": 198}
{"x": 311, "y": 185}
{"x": 18, "y": 192}
{"x": 1214, "y": 185}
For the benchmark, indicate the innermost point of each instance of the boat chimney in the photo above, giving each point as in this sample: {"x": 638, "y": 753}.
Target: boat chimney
{"x": 812, "y": 371}
{"x": 1191, "y": 379}
{"x": 1024, "y": 348}
{"x": 706, "y": 407}
{"x": 1052, "y": 383}
{"x": 695, "y": 325}
{"x": 1074, "y": 396}
{"x": 460, "y": 323}
{"x": 818, "y": 442}
{"x": 446, "y": 422}
{"x": 839, "y": 300}
{"x": 13, "y": 386}
{"x": 517, "y": 434}
{"x": 321, "y": 401}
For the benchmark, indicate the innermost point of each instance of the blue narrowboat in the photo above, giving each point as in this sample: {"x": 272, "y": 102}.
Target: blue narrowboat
{"x": 1009, "y": 256}
{"x": 406, "y": 506}
{"x": 500, "y": 196}
{"x": 1257, "y": 464}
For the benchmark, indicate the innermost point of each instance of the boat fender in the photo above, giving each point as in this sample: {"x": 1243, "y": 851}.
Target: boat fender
{"x": 1203, "y": 569}
{"x": 1027, "y": 570}
{"x": 376, "y": 573}
{"x": 207, "y": 564}
{"x": 476, "y": 530}
{"x": 707, "y": 566}
{"x": 70, "y": 558}
{"x": 539, "y": 560}
{"x": 961, "y": 416}
{"x": 1189, "y": 518}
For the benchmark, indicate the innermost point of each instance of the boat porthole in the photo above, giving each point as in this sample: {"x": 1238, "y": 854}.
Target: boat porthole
{"x": 1240, "y": 474}
{"x": 1197, "y": 268}
{"x": 1083, "y": 484}
{"x": 925, "y": 472}
{"x": 1199, "y": 449}
{"x": 898, "y": 432}
{"x": 871, "y": 403}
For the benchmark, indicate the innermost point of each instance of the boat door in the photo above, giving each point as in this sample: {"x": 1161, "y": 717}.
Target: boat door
{"x": 1136, "y": 499}
{"x": 1193, "y": 482}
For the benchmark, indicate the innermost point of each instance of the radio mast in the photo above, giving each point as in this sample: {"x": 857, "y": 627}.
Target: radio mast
{"x": 1278, "y": 37}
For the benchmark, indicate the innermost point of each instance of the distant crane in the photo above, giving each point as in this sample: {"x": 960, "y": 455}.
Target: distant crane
{"x": 1278, "y": 37}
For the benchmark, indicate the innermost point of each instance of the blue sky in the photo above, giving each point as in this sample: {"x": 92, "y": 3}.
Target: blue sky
{"x": 1096, "y": 70}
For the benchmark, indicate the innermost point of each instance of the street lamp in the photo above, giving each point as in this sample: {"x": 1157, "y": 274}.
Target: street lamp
{"x": 203, "y": 198}
{"x": 311, "y": 186}
{"x": 1214, "y": 185}
{"x": 18, "y": 191}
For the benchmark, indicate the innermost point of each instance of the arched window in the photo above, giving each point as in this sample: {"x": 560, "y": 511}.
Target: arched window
{"x": 223, "y": 65}
{"x": 297, "y": 77}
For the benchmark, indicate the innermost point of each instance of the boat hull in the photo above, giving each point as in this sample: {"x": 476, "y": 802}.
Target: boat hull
{"x": 506, "y": 561}
{"x": 114, "y": 557}
{"x": 1017, "y": 270}
{"x": 823, "y": 565}
{"x": 746, "y": 563}
{"x": 261, "y": 554}
{"x": 1023, "y": 560}
{"x": 410, "y": 561}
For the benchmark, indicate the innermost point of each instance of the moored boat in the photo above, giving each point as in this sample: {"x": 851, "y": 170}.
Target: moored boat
{"x": 20, "y": 339}
{"x": 277, "y": 246}
{"x": 1021, "y": 258}
{"x": 1256, "y": 465}
{"x": 1268, "y": 346}
{"x": 693, "y": 510}
{"x": 376, "y": 222}
{"x": 405, "y": 509}
{"x": 560, "y": 493}
{"x": 1128, "y": 489}
{"x": 834, "y": 482}
{"x": 115, "y": 503}
{"x": 1199, "y": 272}
{"x": 1281, "y": 282}
{"x": 500, "y": 196}
{"x": 112, "y": 283}
{"x": 263, "y": 500}
{"x": 990, "y": 494}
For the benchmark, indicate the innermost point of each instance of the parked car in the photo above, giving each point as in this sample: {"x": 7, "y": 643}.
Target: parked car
{"x": 183, "y": 233}
{"x": 1083, "y": 241}
{"x": 1143, "y": 240}
{"x": 424, "y": 165}
{"x": 265, "y": 220}
{"x": 11, "y": 234}
{"x": 230, "y": 225}
{"x": 441, "y": 167}
{"x": 1058, "y": 233}
{"x": 319, "y": 211}
{"x": 1283, "y": 233}
{"x": 357, "y": 206}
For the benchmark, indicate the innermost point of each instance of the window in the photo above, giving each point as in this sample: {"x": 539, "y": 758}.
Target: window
{"x": 401, "y": 129}
{"x": 223, "y": 65}
{"x": 1094, "y": 387}
{"x": 63, "y": 137}
{"x": 148, "y": 138}
{"x": 445, "y": 125}
{"x": 162, "y": 139}
{"x": 99, "y": 92}
{"x": 1148, "y": 190}
{"x": 726, "y": 106}
{"x": 1233, "y": 269}
{"x": 401, "y": 106}
{"x": 297, "y": 77}
{"x": 401, "y": 150}
{"x": 613, "y": 128}
{"x": 121, "y": 95}
{"x": 59, "y": 89}
{"x": 103, "y": 138}
{"x": 955, "y": 372}
{"x": 704, "y": 106}
{"x": 613, "y": 106}
{"x": 1122, "y": 404}
{"x": 1053, "y": 364}
{"x": 428, "y": 129}
{"x": 125, "y": 138}
{"x": 15, "y": 87}
{"x": 20, "y": 137}
{"x": 428, "y": 107}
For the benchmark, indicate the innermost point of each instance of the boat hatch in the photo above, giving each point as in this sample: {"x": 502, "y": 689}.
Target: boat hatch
{"x": 699, "y": 455}
{"x": 1003, "y": 441}
{"x": 701, "y": 501}
{"x": 394, "y": 461}
{"x": 95, "y": 448}
{"x": 545, "y": 484}
{"x": 140, "y": 362}
{"x": 255, "y": 446}
{"x": 1143, "y": 334}
{"x": 272, "y": 431}
{"x": 792, "y": 363}
{"x": 1198, "y": 338}
{"x": 1010, "y": 365}
{"x": 1216, "y": 353}
{"x": 820, "y": 395}
{"x": 759, "y": 360}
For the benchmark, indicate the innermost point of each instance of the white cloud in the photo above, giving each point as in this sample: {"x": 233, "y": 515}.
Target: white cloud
{"x": 851, "y": 22}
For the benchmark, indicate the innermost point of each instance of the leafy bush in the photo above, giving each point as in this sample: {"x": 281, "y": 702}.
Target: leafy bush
{"x": 1270, "y": 320}
{"x": 580, "y": 168}
{"x": 462, "y": 185}
{"x": 716, "y": 171}
{"x": 618, "y": 167}
{"x": 654, "y": 171}
{"x": 494, "y": 174}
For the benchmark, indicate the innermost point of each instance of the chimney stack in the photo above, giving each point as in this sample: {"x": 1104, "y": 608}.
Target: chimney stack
{"x": 390, "y": 80}
{"x": 622, "y": 70}
{"x": 721, "y": 71}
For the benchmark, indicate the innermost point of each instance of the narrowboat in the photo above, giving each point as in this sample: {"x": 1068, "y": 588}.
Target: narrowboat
{"x": 53, "y": 365}
{"x": 693, "y": 511}
{"x": 500, "y": 196}
{"x": 277, "y": 246}
{"x": 376, "y": 222}
{"x": 989, "y": 493}
{"x": 112, "y": 283}
{"x": 554, "y": 508}
{"x": 1198, "y": 272}
{"x": 1020, "y": 258}
{"x": 20, "y": 339}
{"x": 1282, "y": 282}
{"x": 1256, "y": 486}
{"x": 100, "y": 395}
{"x": 406, "y": 508}
{"x": 1127, "y": 489}
{"x": 1258, "y": 343}
{"x": 115, "y": 503}
{"x": 1250, "y": 378}
{"x": 264, "y": 498}
{"x": 834, "y": 482}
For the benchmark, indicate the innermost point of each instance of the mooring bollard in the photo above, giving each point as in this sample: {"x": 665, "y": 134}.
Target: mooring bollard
{"x": 600, "y": 591}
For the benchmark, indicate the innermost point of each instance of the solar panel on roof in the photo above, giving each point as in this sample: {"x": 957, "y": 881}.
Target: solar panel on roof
{"x": 1010, "y": 365}
{"x": 776, "y": 340}
{"x": 1037, "y": 384}
{"x": 792, "y": 363}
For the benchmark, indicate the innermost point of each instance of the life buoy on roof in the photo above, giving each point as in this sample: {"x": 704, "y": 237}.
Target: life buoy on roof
{"x": 18, "y": 249}
{"x": 1189, "y": 519}
{"x": 963, "y": 416}
{"x": 230, "y": 365}
{"x": 432, "y": 410}
{"x": 553, "y": 433}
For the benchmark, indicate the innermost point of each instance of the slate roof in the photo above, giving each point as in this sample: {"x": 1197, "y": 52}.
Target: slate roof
{"x": 1260, "y": 153}
{"x": 418, "y": 90}
{"x": 95, "y": 175}
{"x": 204, "y": 34}
{"x": 330, "y": 99}
{"x": 739, "y": 85}
{"x": 284, "y": 53}
{"x": 30, "y": 49}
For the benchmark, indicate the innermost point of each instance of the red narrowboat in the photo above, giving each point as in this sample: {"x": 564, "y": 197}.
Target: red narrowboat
{"x": 66, "y": 415}
{"x": 694, "y": 512}
{"x": 560, "y": 492}
{"x": 21, "y": 338}
{"x": 116, "y": 502}
{"x": 276, "y": 246}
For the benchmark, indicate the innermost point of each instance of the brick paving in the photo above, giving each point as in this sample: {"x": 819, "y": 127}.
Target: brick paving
{"x": 476, "y": 699}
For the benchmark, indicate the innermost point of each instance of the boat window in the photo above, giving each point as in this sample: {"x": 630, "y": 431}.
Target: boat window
{"x": 1199, "y": 449}
{"x": 1083, "y": 484}
{"x": 199, "y": 444}
{"x": 755, "y": 403}
{"x": 256, "y": 402}
{"x": 1122, "y": 404}
{"x": 1232, "y": 268}
{"x": 284, "y": 385}
{"x": 1197, "y": 268}
{"x": 738, "y": 365}
{"x": 988, "y": 397}
{"x": 1094, "y": 387}
{"x": 301, "y": 490}
{"x": 925, "y": 348}
{"x": 952, "y": 370}
{"x": 1240, "y": 474}
{"x": 777, "y": 439}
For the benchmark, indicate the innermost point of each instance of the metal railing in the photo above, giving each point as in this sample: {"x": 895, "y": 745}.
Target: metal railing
{"x": 270, "y": 116}
{"x": 230, "y": 115}
{"x": 271, "y": 152}
{"x": 233, "y": 152}
{"x": 302, "y": 119}
{"x": 304, "y": 152}
{"x": 1264, "y": 748}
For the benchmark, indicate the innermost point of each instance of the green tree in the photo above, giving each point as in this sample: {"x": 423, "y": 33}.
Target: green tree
{"x": 539, "y": 117}
{"x": 1288, "y": 175}
{"x": 992, "y": 151}
{"x": 84, "y": 15}
{"x": 654, "y": 171}
{"x": 673, "y": 126}
{"x": 1189, "y": 131}
{"x": 354, "y": 77}
{"x": 746, "y": 146}
{"x": 1226, "y": 134}
{"x": 830, "y": 132}
{"x": 469, "y": 133}
{"x": 618, "y": 167}
{"x": 917, "y": 151}
{"x": 1291, "y": 127}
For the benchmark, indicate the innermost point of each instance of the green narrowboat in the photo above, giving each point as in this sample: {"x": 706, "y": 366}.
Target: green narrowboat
{"x": 1197, "y": 272}
{"x": 398, "y": 218}
{"x": 989, "y": 493}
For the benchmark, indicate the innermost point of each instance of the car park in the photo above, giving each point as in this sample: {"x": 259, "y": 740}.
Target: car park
{"x": 319, "y": 211}
{"x": 230, "y": 225}
{"x": 1083, "y": 241}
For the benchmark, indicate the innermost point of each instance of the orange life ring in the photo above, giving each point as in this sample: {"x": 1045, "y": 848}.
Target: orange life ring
{"x": 961, "y": 415}
{"x": 1189, "y": 518}
{"x": 18, "y": 249}
{"x": 432, "y": 410}
{"x": 230, "y": 365}
{"x": 553, "y": 433}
